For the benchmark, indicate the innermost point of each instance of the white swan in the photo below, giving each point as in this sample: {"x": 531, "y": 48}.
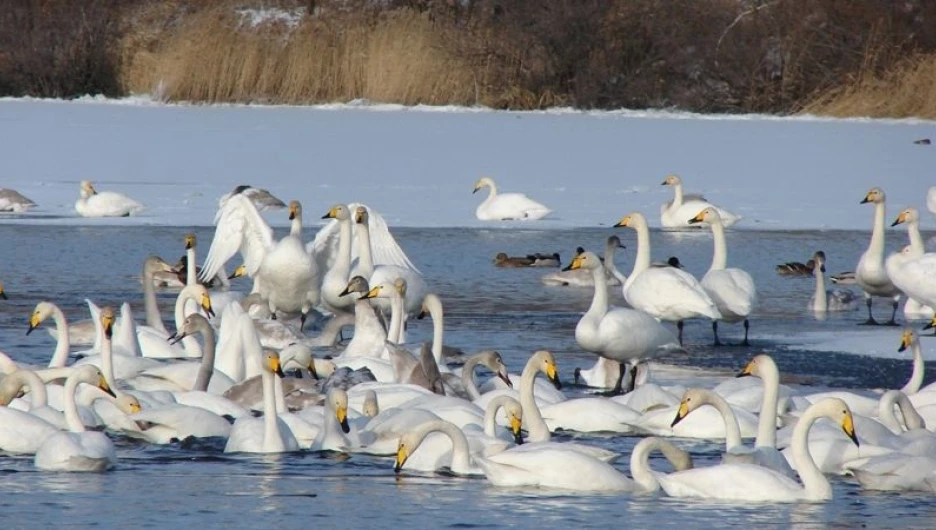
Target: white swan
{"x": 43, "y": 311}
{"x": 114, "y": 366}
{"x": 336, "y": 276}
{"x": 14, "y": 201}
{"x": 746, "y": 482}
{"x": 667, "y": 293}
{"x": 104, "y": 204}
{"x": 624, "y": 335}
{"x": 78, "y": 450}
{"x": 871, "y": 274}
{"x": 909, "y": 339}
{"x": 765, "y": 446}
{"x": 283, "y": 271}
{"x": 914, "y": 275}
{"x": 913, "y": 309}
{"x": 153, "y": 342}
{"x": 582, "y": 278}
{"x": 268, "y": 434}
{"x": 731, "y": 289}
{"x": 507, "y": 206}
{"x": 824, "y": 300}
{"x": 675, "y": 213}
{"x": 416, "y": 288}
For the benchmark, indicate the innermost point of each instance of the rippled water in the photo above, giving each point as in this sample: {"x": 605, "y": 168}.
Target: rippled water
{"x": 509, "y": 310}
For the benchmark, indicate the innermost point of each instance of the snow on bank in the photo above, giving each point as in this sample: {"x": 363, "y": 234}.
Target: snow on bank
{"x": 418, "y": 165}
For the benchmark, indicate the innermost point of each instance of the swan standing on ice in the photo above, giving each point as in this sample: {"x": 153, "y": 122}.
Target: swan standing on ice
{"x": 507, "y": 206}
{"x": 104, "y": 204}
{"x": 675, "y": 213}
{"x": 871, "y": 274}
{"x": 14, "y": 201}
{"x": 913, "y": 309}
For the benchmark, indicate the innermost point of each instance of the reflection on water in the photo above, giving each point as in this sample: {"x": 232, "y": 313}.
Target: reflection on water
{"x": 508, "y": 310}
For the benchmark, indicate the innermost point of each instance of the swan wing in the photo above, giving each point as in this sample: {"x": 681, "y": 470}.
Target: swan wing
{"x": 745, "y": 482}
{"x": 670, "y": 294}
{"x": 732, "y": 289}
{"x": 239, "y": 228}
{"x": 384, "y": 247}
{"x": 635, "y": 334}
{"x": 916, "y": 278}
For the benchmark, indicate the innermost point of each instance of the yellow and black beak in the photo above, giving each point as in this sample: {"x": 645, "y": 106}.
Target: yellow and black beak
{"x": 576, "y": 263}
{"x": 33, "y": 323}
{"x": 189, "y": 241}
{"x": 342, "y": 414}
{"x": 102, "y": 384}
{"x": 292, "y": 213}
{"x": 206, "y": 305}
{"x": 698, "y": 218}
{"x": 505, "y": 378}
{"x": 905, "y": 340}
{"x": 276, "y": 368}
{"x": 553, "y": 375}
{"x": 346, "y": 291}
{"x": 931, "y": 324}
{"x": 747, "y": 370}
{"x": 848, "y": 425}
{"x": 312, "y": 369}
{"x": 901, "y": 218}
{"x": 372, "y": 293}
{"x": 108, "y": 323}
{"x": 359, "y": 216}
{"x": 176, "y": 337}
{"x": 401, "y": 456}
{"x": 681, "y": 413}
{"x": 476, "y": 188}
{"x": 515, "y": 425}
{"x": 238, "y": 272}
{"x": 625, "y": 221}
{"x": 866, "y": 199}
{"x": 330, "y": 214}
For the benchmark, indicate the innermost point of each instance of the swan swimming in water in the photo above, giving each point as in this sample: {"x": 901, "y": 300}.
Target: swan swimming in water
{"x": 675, "y": 213}
{"x": 507, "y": 206}
{"x": 105, "y": 203}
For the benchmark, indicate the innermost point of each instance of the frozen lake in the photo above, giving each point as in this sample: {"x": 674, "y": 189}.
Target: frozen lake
{"x": 796, "y": 182}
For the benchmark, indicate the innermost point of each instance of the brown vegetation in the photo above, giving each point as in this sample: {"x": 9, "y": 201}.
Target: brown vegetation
{"x": 775, "y": 56}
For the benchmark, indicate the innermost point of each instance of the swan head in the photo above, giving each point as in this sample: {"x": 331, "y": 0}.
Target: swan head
{"x": 338, "y": 211}
{"x": 42, "y": 311}
{"x": 482, "y": 183}
{"x": 585, "y": 260}
{"x": 495, "y": 363}
{"x": 154, "y": 264}
{"x": 271, "y": 363}
{"x": 692, "y": 399}
{"x": 708, "y": 215}
{"x": 358, "y": 284}
{"x": 385, "y": 290}
{"x": 241, "y": 270}
{"x": 200, "y": 293}
{"x": 515, "y": 417}
{"x": 613, "y": 242}
{"x": 400, "y": 285}
{"x": 908, "y": 215}
{"x": 907, "y": 339}
{"x": 128, "y": 404}
{"x": 295, "y": 210}
{"x": 92, "y": 375}
{"x": 839, "y": 412}
{"x": 361, "y": 216}
{"x": 371, "y": 407}
{"x": 338, "y": 402}
{"x": 189, "y": 241}
{"x": 874, "y": 195}
{"x": 931, "y": 324}
{"x": 191, "y": 325}
{"x": 546, "y": 363}
{"x": 300, "y": 354}
{"x": 756, "y": 365}
{"x": 671, "y": 180}
{"x": 107, "y": 321}
{"x": 817, "y": 263}
{"x": 87, "y": 189}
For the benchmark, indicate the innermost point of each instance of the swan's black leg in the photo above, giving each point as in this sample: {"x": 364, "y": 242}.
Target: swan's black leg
{"x": 577, "y": 375}
{"x": 302, "y": 321}
{"x": 617, "y": 390}
{"x": 679, "y": 326}
{"x": 893, "y": 320}
{"x": 633, "y": 378}
{"x": 747, "y": 325}
{"x": 870, "y": 321}
{"x": 715, "y": 332}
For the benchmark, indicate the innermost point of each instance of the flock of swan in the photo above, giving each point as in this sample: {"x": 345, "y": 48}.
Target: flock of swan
{"x": 243, "y": 380}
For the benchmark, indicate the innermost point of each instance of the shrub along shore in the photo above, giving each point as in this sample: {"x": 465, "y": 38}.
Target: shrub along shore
{"x": 835, "y": 57}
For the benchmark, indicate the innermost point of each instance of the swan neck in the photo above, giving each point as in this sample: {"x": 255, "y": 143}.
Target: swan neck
{"x": 189, "y": 343}
{"x": 767, "y": 423}
{"x": 536, "y": 426}
{"x": 490, "y": 414}
{"x": 640, "y": 463}
{"x": 919, "y": 369}
{"x": 72, "y": 419}
{"x": 270, "y": 427}
{"x": 60, "y": 357}
{"x": 678, "y": 195}
{"x": 468, "y": 381}
{"x": 107, "y": 361}
{"x": 820, "y": 301}
{"x": 642, "y": 259}
{"x": 190, "y": 278}
{"x": 343, "y": 261}
{"x": 365, "y": 253}
{"x": 438, "y": 329}
{"x": 916, "y": 239}
{"x": 37, "y": 389}
{"x": 816, "y": 485}
{"x": 461, "y": 458}
{"x": 732, "y": 430}
{"x": 206, "y": 368}
{"x": 153, "y": 318}
{"x": 720, "y": 255}
{"x": 295, "y": 227}
{"x": 876, "y": 247}
{"x": 396, "y": 318}
{"x": 599, "y": 305}
{"x": 279, "y": 398}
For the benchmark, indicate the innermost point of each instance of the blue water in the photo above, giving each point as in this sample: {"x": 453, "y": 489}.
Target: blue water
{"x": 505, "y": 309}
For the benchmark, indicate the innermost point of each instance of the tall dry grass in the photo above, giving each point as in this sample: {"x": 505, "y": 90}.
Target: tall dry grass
{"x": 394, "y": 57}
{"x": 907, "y": 90}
